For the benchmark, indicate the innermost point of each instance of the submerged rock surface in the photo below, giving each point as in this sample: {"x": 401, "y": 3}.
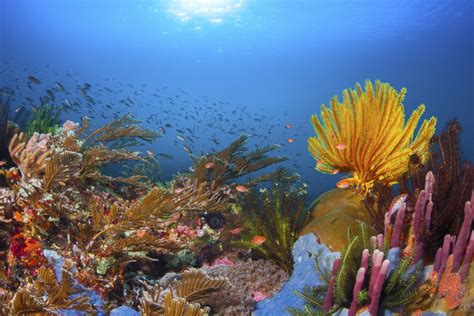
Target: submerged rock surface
{"x": 305, "y": 250}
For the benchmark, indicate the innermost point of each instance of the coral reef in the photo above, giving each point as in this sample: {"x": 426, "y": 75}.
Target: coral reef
{"x": 112, "y": 233}
{"x": 455, "y": 181}
{"x": 367, "y": 135}
{"x": 386, "y": 271}
{"x": 87, "y": 225}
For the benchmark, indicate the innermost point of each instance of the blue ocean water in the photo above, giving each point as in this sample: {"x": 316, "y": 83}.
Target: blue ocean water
{"x": 222, "y": 68}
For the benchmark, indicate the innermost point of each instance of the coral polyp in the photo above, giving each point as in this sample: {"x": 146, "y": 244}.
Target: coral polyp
{"x": 366, "y": 135}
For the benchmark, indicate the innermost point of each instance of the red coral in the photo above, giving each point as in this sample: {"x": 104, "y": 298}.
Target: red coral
{"x": 27, "y": 250}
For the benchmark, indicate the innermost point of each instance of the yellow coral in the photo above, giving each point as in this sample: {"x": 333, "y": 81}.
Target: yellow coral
{"x": 367, "y": 136}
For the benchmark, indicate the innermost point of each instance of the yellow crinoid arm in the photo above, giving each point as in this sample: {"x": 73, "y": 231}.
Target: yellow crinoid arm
{"x": 367, "y": 135}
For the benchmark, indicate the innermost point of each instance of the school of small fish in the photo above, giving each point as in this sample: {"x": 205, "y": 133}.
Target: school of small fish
{"x": 192, "y": 125}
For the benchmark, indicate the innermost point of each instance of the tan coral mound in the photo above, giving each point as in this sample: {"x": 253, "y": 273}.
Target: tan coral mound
{"x": 333, "y": 212}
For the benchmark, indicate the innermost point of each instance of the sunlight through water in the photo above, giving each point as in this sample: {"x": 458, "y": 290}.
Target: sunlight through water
{"x": 213, "y": 11}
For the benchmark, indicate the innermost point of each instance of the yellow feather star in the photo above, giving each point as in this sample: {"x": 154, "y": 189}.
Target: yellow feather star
{"x": 366, "y": 135}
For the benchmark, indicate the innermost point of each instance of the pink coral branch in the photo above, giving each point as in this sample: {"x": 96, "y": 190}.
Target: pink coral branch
{"x": 357, "y": 287}
{"x": 328, "y": 300}
{"x": 365, "y": 259}
{"x": 377, "y": 259}
{"x": 378, "y": 287}
{"x": 467, "y": 257}
{"x": 398, "y": 227}
{"x": 380, "y": 241}
{"x": 463, "y": 237}
{"x": 445, "y": 253}
{"x": 438, "y": 258}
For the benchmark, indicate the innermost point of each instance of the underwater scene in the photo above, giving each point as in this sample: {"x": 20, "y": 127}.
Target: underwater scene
{"x": 236, "y": 157}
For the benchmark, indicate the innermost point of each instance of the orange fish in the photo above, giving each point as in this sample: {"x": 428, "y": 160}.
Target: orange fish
{"x": 13, "y": 174}
{"x": 258, "y": 240}
{"x": 289, "y": 126}
{"x": 141, "y": 233}
{"x": 209, "y": 165}
{"x": 341, "y": 146}
{"x": 237, "y": 230}
{"x": 241, "y": 188}
{"x": 178, "y": 190}
{"x": 344, "y": 183}
{"x": 291, "y": 140}
{"x": 18, "y": 216}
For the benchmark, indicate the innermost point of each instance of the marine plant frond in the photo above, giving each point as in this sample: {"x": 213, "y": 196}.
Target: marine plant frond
{"x": 323, "y": 273}
{"x": 195, "y": 285}
{"x": 45, "y": 119}
{"x": 46, "y": 295}
{"x": 366, "y": 135}
{"x": 60, "y": 168}
{"x": 278, "y": 214}
{"x": 313, "y": 301}
{"x": 414, "y": 296}
{"x": 138, "y": 243}
{"x": 256, "y": 160}
{"x": 377, "y": 204}
{"x": 157, "y": 209}
{"x": 24, "y": 303}
{"x": 100, "y": 155}
{"x": 121, "y": 132}
{"x": 232, "y": 162}
{"x": 280, "y": 174}
{"x": 174, "y": 306}
{"x": 150, "y": 301}
{"x": 345, "y": 274}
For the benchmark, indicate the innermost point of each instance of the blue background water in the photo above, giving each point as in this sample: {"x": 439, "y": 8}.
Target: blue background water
{"x": 256, "y": 64}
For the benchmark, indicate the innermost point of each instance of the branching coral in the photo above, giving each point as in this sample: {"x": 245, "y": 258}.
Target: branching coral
{"x": 367, "y": 135}
{"x": 30, "y": 156}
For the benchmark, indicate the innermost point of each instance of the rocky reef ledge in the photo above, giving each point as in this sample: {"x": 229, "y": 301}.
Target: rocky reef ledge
{"x": 305, "y": 250}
